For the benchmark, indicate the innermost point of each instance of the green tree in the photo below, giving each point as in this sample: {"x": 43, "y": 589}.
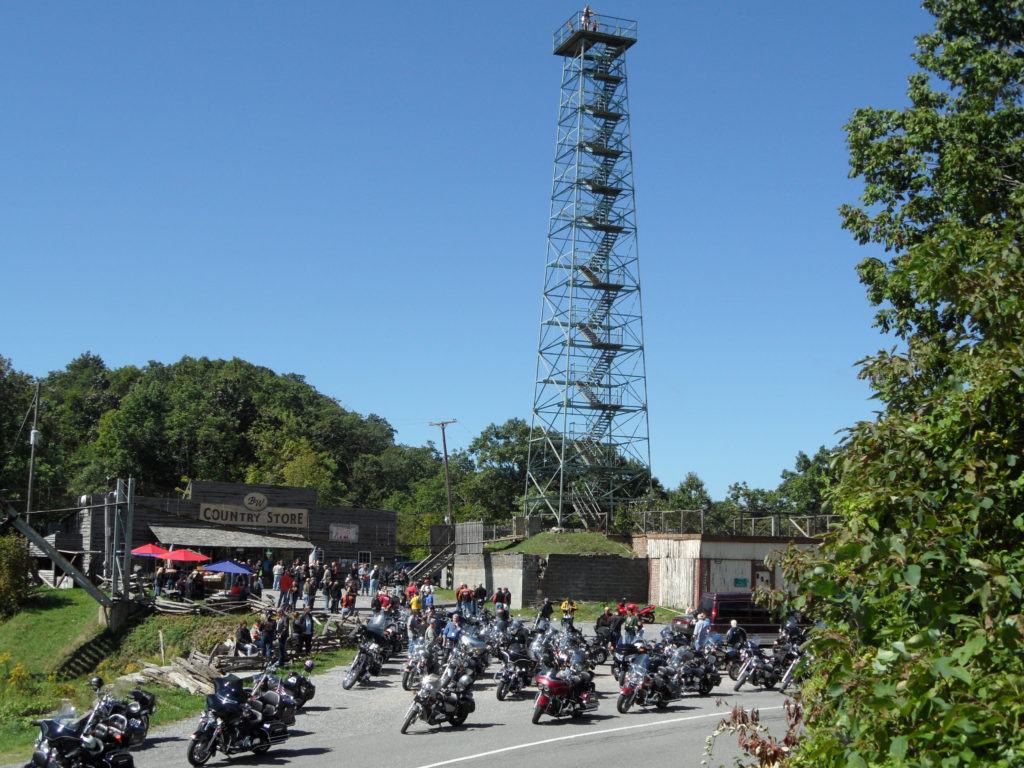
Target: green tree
{"x": 691, "y": 493}
{"x": 803, "y": 489}
{"x": 923, "y": 659}
{"x": 15, "y": 569}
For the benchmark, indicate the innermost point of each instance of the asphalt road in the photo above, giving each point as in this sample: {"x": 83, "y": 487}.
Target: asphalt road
{"x": 361, "y": 727}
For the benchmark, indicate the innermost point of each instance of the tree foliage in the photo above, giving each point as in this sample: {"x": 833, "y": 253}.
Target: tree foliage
{"x": 14, "y": 573}
{"x": 922, "y": 663}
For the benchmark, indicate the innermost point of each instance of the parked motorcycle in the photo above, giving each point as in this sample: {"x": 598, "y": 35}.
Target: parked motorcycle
{"x": 759, "y": 668}
{"x": 438, "y": 701}
{"x": 71, "y": 740}
{"x": 283, "y": 707}
{"x": 648, "y": 682}
{"x": 423, "y": 660}
{"x": 231, "y": 723}
{"x": 567, "y": 689}
{"x": 299, "y": 686}
{"x": 517, "y": 671}
{"x": 372, "y": 652}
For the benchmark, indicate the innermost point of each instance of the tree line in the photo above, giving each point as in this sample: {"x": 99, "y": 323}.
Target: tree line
{"x": 232, "y": 421}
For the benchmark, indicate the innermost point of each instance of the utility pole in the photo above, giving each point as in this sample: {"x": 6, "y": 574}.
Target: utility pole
{"x": 447, "y": 477}
{"x": 33, "y": 441}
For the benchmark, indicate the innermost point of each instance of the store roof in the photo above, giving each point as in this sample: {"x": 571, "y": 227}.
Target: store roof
{"x": 219, "y": 537}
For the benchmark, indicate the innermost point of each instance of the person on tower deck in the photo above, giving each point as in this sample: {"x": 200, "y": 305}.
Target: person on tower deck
{"x": 587, "y": 20}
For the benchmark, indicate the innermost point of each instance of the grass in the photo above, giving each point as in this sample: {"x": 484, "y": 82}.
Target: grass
{"x": 579, "y": 543}
{"x": 36, "y": 641}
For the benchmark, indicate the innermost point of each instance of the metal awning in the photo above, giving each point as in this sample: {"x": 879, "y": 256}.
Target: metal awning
{"x": 219, "y": 537}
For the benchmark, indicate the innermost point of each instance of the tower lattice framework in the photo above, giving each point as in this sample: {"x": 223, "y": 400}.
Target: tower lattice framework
{"x": 589, "y": 451}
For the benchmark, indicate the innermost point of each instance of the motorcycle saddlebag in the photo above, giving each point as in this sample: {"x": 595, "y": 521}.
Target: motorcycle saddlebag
{"x": 145, "y": 698}
{"x": 119, "y": 760}
{"x": 278, "y": 732}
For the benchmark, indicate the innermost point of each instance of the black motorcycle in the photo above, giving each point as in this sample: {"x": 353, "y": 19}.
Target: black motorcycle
{"x": 438, "y": 701}
{"x": 299, "y": 686}
{"x": 650, "y": 681}
{"x": 371, "y": 654}
{"x": 233, "y": 723}
{"x": 70, "y": 740}
{"x": 274, "y": 703}
{"x": 758, "y": 668}
{"x": 518, "y": 670}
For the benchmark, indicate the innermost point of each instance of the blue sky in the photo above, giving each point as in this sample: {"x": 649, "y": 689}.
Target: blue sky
{"x": 358, "y": 192}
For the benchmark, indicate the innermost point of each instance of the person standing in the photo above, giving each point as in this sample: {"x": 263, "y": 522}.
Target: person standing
{"x": 506, "y": 598}
{"x": 374, "y": 580}
{"x": 269, "y": 636}
{"x": 283, "y": 627}
{"x": 568, "y": 613}
{"x": 304, "y": 628}
{"x": 278, "y": 573}
{"x": 308, "y": 592}
{"x": 701, "y": 631}
{"x": 335, "y": 592}
{"x": 630, "y": 626}
{"x": 285, "y": 585}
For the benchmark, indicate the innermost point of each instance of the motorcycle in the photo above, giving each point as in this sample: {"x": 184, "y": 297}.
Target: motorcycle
{"x": 422, "y": 661}
{"x": 517, "y": 671}
{"x": 438, "y": 701}
{"x": 233, "y": 723}
{"x": 299, "y": 686}
{"x": 566, "y": 690}
{"x": 372, "y": 651}
{"x": 695, "y": 671}
{"x": 758, "y": 668}
{"x": 279, "y": 705}
{"x": 68, "y": 740}
{"x": 648, "y": 682}
{"x": 797, "y": 669}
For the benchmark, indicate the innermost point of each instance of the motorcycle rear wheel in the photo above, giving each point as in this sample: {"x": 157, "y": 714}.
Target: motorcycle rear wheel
{"x": 538, "y": 710}
{"x": 410, "y": 718}
{"x": 459, "y": 717}
{"x": 264, "y": 743}
{"x": 624, "y": 702}
{"x": 201, "y": 750}
{"x": 600, "y": 656}
{"x": 704, "y": 688}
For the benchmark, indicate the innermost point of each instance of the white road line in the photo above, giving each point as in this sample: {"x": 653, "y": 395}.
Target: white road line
{"x": 720, "y": 715}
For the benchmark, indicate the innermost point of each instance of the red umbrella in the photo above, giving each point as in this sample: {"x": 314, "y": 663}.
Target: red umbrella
{"x": 185, "y": 555}
{"x": 150, "y": 550}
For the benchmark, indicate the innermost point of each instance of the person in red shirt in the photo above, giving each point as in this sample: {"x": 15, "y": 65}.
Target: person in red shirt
{"x": 286, "y": 584}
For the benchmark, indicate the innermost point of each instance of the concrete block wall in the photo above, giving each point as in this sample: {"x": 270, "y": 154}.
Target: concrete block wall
{"x": 595, "y": 577}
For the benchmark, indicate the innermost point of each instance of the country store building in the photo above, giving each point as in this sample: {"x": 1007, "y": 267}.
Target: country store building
{"x": 229, "y": 520}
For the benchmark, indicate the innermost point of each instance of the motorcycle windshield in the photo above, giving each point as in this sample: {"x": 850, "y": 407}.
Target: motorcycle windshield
{"x": 229, "y": 689}
{"x": 376, "y": 625}
{"x": 640, "y": 663}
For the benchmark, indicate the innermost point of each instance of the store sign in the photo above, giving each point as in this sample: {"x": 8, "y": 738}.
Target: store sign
{"x": 344, "y": 532}
{"x": 267, "y": 517}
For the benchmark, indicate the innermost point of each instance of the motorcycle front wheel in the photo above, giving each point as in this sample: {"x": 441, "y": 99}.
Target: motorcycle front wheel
{"x": 201, "y": 750}
{"x": 739, "y": 682}
{"x": 502, "y": 690}
{"x": 352, "y": 675}
{"x": 734, "y": 669}
{"x": 407, "y": 681}
{"x": 600, "y": 656}
{"x": 538, "y": 710}
{"x": 705, "y": 687}
{"x": 410, "y": 718}
{"x": 624, "y": 702}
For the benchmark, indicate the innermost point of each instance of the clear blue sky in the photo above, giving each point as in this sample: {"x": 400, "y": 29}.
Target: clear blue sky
{"x": 358, "y": 192}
